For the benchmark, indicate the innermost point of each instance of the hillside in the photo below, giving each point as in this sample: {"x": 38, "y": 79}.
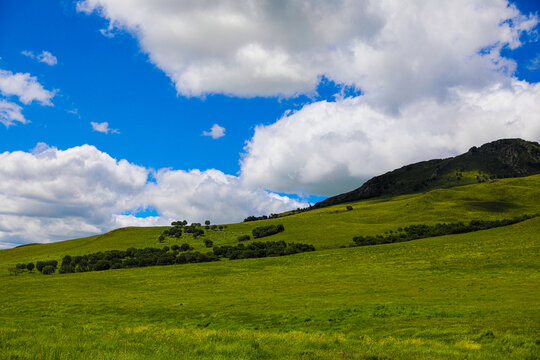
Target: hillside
{"x": 469, "y": 296}
{"x": 498, "y": 159}
{"x": 325, "y": 228}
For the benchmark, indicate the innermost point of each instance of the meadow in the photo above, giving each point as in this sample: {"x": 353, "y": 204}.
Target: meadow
{"x": 467, "y": 296}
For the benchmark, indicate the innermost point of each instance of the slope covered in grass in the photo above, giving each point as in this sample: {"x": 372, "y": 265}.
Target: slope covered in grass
{"x": 463, "y": 296}
{"x": 329, "y": 227}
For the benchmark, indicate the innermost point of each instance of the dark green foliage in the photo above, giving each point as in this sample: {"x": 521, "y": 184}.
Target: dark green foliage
{"x": 264, "y": 217}
{"x": 244, "y": 238}
{"x": 48, "y": 270}
{"x": 102, "y": 265}
{"x": 40, "y": 265}
{"x": 261, "y": 249}
{"x": 20, "y": 266}
{"x": 30, "y": 266}
{"x": 208, "y": 243}
{"x": 263, "y": 231}
{"x": 349, "y": 208}
{"x": 421, "y": 231}
{"x": 175, "y": 247}
{"x": 207, "y": 222}
{"x": 194, "y": 230}
{"x": 185, "y": 247}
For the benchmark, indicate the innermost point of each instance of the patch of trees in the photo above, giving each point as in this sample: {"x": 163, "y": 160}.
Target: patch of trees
{"x": 130, "y": 258}
{"x": 264, "y": 217}
{"x": 179, "y": 227}
{"x": 20, "y": 268}
{"x": 263, "y": 231}
{"x": 414, "y": 232}
{"x": 244, "y": 238}
{"x": 261, "y": 249}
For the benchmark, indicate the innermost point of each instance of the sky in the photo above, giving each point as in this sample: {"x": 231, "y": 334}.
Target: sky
{"x": 139, "y": 112}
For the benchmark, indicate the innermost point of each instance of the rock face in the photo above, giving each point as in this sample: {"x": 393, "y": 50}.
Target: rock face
{"x": 497, "y": 159}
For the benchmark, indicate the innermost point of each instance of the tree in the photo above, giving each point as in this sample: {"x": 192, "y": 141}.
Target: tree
{"x": 207, "y": 222}
{"x": 161, "y": 238}
{"x": 48, "y": 270}
{"x": 30, "y": 266}
{"x": 208, "y": 243}
{"x": 349, "y": 207}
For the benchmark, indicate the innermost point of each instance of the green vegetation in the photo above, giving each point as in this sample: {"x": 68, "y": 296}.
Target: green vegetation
{"x": 461, "y": 296}
{"x": 415, "y": 232}
{"x": 268, "y": 230}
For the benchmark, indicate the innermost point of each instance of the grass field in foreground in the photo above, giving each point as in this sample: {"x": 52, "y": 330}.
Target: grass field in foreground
{"x": 469, "y": 296}
{"x": 325, "y": 228}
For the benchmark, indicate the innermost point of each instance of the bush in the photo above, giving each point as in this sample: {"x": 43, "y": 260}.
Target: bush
{"x": 175, "y": 247}
{"x": 263, "y": 231}
{"x": 208, "y": 243}
{"x": 102, "y": 265}
{"x": 349, "y": 208}
{"x": 30, "y": 266}
{"x": 48, "y": 270}
{"x": 244, "y": 238}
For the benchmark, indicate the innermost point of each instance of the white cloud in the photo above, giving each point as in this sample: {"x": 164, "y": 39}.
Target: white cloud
{"x": 103, "y": 127}
{"x": 328, "y": 148}
{"x": 215, "y": 132}
{"x": 45, "y": 57}
{"x": 49, "y": 194}
{"x": 395, "y": 51}
{"x": 10, "y": 112}
{"x": 25, "y": 87}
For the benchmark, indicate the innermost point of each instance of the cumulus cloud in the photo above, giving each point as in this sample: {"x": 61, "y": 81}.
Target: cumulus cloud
{"x": 10, "y": 112}
{"x": 103, "y": 128}
{"x": 331, "y": 147}
{"x": 25, "y": 87}
{"x": 49, "y": 194}
{"x": 394, "y": 51}
{"x": 215, "y": 132}
{"x": 45, "y": 57}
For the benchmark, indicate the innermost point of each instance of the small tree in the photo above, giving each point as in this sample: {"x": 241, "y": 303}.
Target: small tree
{"x": 161, "y": 238}
{"x": 349, "y": 207}
{"x": 208, "y": 243}
{"x": 47, "y": 270}
{"x": 207, "y": 222}
{"x": 30, "y": 266}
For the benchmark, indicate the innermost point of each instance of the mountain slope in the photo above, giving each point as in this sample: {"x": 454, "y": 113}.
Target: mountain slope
{"x": 498, "y": 159}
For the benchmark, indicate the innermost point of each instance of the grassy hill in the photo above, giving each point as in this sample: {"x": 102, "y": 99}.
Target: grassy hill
{"x": 465, "y": 296}
{"x": 329, "y": 227}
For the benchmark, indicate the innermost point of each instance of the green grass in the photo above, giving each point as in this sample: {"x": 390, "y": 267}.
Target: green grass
{"x": 468, "y": 296}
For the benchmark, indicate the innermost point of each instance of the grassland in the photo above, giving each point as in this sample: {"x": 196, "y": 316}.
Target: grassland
{"x": 468, "y": 296}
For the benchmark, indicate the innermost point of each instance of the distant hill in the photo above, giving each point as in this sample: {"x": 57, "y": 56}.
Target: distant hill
{"x": 498, "y": 159}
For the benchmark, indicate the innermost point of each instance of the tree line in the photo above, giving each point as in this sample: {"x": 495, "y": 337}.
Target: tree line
{"x": 261, "y": 249}
{"x": 263, "y": 231}
{"x": 195, "y": 229}
{"x": 414, "y": 232}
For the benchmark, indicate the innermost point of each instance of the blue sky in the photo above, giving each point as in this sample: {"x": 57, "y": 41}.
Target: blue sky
{"x": 321, "y": 109}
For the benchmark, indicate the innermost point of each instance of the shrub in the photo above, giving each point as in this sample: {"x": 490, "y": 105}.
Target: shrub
{"x": 208, "y": 243}
{"x": 175, "y": 247}
{"x": 349, "y": 208}
{"x": 48, "y": 270}
{"x": 102, "y": 265}
{"x": 30, "y": 266}
{"x": 244, "y": 238}
{"x": 263, "y": 231}
{"x": 185, "y": 247}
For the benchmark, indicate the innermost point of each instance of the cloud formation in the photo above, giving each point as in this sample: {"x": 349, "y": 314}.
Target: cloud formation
{"x": 25, "y": 87}
{"x": 103, "y": 128}
{"x": 327, "y": 148}
{"x": 45, "y": 57}
{"x": 10, "y": 112}
{"x": 215, "y": 132}
{"x": 394, "y": 51}
{"x": 49, "y": 194}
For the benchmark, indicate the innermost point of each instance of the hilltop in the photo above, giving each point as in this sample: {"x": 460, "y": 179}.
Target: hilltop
{"x": 498, "y": 159}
